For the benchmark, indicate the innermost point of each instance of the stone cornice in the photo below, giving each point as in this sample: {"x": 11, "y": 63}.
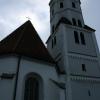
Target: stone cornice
{"x": 85, "y": 78}
{"x": 76, "y": 56}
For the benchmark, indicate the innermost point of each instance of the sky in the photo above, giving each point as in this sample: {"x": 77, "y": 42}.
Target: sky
{"x": 14, "y": 13}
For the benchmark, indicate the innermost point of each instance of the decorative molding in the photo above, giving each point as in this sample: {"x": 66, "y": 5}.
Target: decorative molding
{"x": 85, "y": 78}
{"x": 59, "y": 84}
{"x": 82, "y": 54}
{"x": 93, "y": 59}
{"x": 7, "y": 76}
{"x": 78, "y": 28}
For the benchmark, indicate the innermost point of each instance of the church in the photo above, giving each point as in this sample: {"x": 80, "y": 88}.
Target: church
{"x": 67, "y": 69}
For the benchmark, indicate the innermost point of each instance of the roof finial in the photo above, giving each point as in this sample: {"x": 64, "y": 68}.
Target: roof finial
{"x": 27, "y": 17}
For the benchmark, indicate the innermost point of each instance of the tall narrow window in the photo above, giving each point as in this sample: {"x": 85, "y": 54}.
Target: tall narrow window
{"x": 31, "y": 89}
{"x": 79, "y": 23}
{"x": 52, "y": 43}
{"x": 82, "y": 38}
{"x": 89, "y": 93}
{"x": 61, "y": 5}
{"x": 53, "y": 28}
{"x": 55, "y": 40}
{"x": 83, "y": 67}
{"x": 73, "y": 5}
{"x": 76, "y": 37}
{"x": 52, "y": 11}
{"x": 74, "y": 21}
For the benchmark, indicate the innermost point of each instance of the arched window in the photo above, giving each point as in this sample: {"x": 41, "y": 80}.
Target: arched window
{"x": 32, "y": 88}
{"x": 73, "y": 5}
{"x": 82, "y": 38}
{"x": 76, "y": 37}
{"x": 79, "y": 23}
{"x": 74, "y": 21}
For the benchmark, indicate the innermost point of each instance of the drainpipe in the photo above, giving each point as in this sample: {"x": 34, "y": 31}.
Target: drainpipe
{"x": 16, "y": 78}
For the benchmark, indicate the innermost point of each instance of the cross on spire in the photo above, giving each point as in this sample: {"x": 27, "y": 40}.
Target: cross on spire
{"x": 28, "y": 18}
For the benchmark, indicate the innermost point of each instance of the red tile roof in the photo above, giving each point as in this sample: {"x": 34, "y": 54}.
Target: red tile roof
{"x": 26, "y": 42}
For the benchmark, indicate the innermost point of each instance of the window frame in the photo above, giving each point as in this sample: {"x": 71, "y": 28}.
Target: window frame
{"x": 76, "y": 37}
{"x": 82, "y": 37}
{"x": 74, "y": 22}
{"x": 61, "y": 5}
{"x": 40, "y": 82}
{"x": 79, "y": 23}
{"x": 54, "y": 41}
{"x": 30, "y": 83}
{"x": 53, "y": 29}
{"x": 84, "y": 68}
{"x": 89, "y": 93}
{"x": 73, "y": 5}
{"x": 52, "y": 11}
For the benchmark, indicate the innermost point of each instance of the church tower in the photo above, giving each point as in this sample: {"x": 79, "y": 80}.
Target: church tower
{"x": 73, "y": 46}
{"x": 69, "y": 71}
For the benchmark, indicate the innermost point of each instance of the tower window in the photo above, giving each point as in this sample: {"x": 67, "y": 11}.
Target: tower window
{"x": 55, "y": 40}
{"x": 82, "y": 38}
{"x": 52, "y": 43}
{"x": 76, "y": 37}
{"x": 89, "y": 93}
{"x": 73, "y": 5}
{"x": 83, "y": 67}
{"x": 79, "y": 23}
{"x": 53, "y": 28}
{"x": 52, "y": 11}
{"x": 61, "y": 5}
{"x": 74, "y": 21}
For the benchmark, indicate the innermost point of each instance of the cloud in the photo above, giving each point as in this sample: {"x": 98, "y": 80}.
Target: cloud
{"x": 13, "y": 13}
{"x": 91, "y": 15}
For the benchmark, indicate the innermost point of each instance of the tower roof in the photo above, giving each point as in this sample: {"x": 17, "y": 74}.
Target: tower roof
{"x": 26, "y": 42}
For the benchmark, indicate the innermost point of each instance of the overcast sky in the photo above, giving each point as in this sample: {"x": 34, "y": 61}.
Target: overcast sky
{"x": 13, "y": 13}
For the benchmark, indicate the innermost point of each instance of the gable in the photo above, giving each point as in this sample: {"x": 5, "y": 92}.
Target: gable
{"x": 26, "y": 42}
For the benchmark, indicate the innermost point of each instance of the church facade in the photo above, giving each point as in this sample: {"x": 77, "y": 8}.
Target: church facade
{"x": 68, "y": 69}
